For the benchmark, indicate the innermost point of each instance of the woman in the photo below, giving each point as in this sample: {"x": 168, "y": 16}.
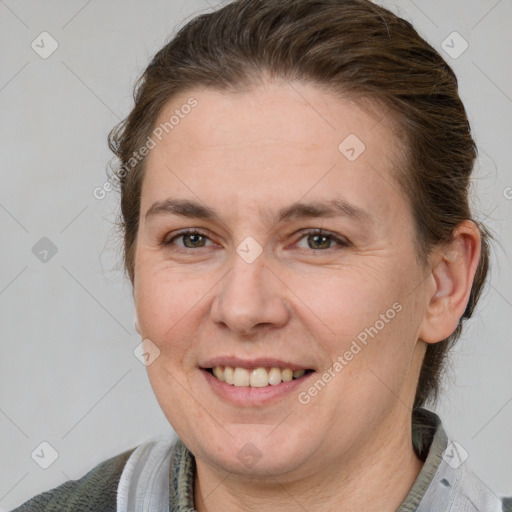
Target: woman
{"x": 294, "y": 197}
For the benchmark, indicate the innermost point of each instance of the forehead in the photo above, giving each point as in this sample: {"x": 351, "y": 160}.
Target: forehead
{"x": 268, "y": 145}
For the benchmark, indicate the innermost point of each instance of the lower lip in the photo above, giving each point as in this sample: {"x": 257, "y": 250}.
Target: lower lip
{"x": 249, "y": 396}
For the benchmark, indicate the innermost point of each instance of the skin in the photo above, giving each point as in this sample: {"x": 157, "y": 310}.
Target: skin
{"x": 247, "y": 155}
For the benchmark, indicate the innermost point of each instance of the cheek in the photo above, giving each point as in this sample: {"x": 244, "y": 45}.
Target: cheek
{"x": 364, "y": 316}
{"x": 165, "y": 302}
{"x": 345, "y": 300}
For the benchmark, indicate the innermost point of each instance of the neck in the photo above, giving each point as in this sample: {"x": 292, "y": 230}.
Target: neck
{"x": 377, "y": 479}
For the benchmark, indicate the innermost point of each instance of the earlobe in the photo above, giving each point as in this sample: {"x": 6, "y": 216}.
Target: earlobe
{"x": 452, "y": 279}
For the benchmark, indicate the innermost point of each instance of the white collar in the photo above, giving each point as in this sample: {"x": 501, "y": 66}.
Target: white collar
{"x": 144, "y": 482}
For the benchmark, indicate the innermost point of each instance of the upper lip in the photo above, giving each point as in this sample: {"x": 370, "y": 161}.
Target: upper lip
{"x": 259, "y": 362}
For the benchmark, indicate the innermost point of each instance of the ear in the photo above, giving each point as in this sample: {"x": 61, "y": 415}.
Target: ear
{"x": 137, "y": 327}
{"x": 451, "y": 278}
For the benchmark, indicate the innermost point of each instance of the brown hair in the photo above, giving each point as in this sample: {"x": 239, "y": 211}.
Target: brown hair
{"x": 351, "y": 47}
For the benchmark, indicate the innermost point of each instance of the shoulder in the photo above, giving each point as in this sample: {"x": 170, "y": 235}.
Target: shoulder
{"x": 446, "y": 481}
{"x": 471, "y": 492}
{"x": 96, "y": 491}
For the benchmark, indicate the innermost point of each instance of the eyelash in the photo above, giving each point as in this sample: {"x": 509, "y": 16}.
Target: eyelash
{"x": 329, "y": 236}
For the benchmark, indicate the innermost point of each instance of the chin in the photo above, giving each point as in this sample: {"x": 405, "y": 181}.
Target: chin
{"x": 252, "y": 451}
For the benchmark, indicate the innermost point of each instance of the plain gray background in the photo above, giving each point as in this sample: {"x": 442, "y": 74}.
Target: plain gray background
{"x": 68, "y": 375}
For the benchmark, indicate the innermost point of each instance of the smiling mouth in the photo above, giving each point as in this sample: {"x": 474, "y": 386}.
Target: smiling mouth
{"x": 256, "y": 377}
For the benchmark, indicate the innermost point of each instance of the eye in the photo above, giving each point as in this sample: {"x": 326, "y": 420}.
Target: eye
{"x": 191, "y": 239}
{"x": 321, "y": 240}
{"x": 316, "y": 239}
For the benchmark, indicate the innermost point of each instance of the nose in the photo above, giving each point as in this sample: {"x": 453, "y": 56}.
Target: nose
{"x": 251, "y": 296}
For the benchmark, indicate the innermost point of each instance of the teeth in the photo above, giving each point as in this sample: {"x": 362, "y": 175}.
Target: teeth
{"x": 241, "y": 377}
{"x": 229, "y": 374}
{"x": 298, "y": 373}
{"x": 274, "y": 376}
{"x": 218, "y": 373}
{"x": 259, "y": 378}
{"x": 256, "y": 378}
{"x": 287, "y": 375}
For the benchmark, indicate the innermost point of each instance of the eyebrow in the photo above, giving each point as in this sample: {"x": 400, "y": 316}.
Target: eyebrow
{"x": 330, "y": 208}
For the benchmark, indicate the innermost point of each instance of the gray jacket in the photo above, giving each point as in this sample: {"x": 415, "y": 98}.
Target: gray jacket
{"x": 159, "y": 476}
{"x": 445, "y": 483}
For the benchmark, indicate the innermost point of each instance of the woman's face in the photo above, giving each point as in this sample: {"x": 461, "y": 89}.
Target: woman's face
{"x": 253, "y": 174}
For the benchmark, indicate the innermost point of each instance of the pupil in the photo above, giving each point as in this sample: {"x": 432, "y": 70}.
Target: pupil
{"x": 194, "y": 240}
{"x": 316, "y": 238}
